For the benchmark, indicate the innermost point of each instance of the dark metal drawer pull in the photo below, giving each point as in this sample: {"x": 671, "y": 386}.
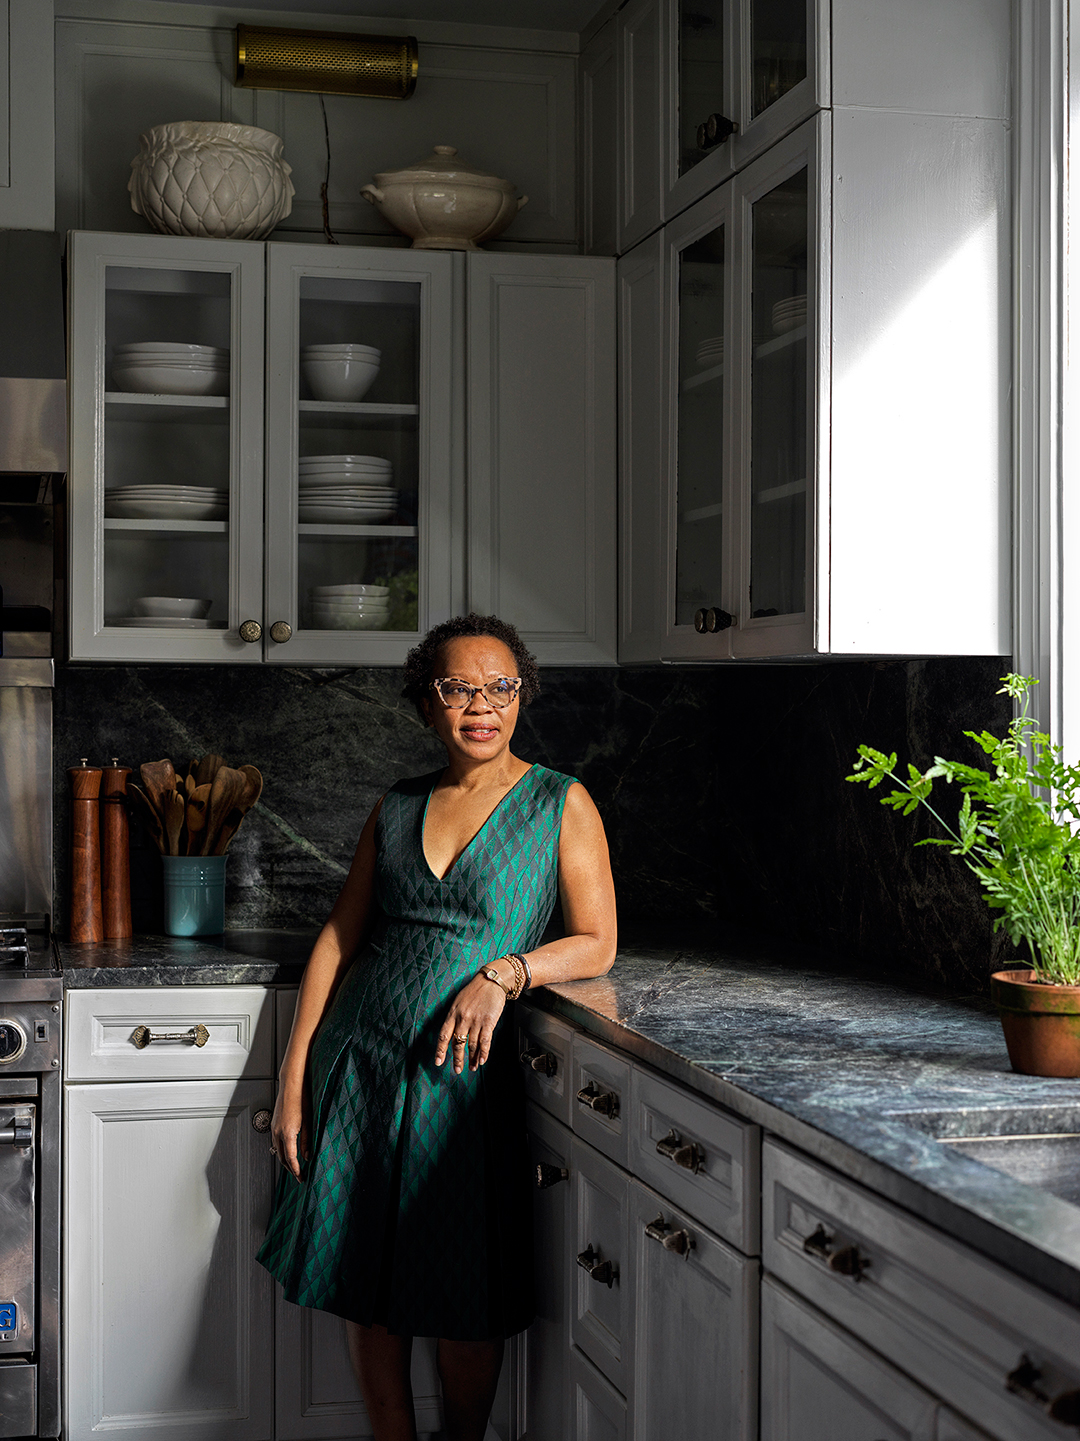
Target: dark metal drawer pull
{"x": 1064, "y": 1407}
{"x": 681, "y": 1242}
{"x": 603, "y": 1271}
{"x": 847, "y": 1261}
{"x": 538, "y": 1060}
{"x": 690, "y": 1158}
{"x": 549, "y": 1175}
{"x": 20, "y": 1133}
{"x": 606, "y": 1102}
{"x": 143, "y": 1036}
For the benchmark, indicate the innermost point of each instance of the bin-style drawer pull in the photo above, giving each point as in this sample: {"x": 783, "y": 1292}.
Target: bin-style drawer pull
{"x": 606, "y": 1102}
{"x": 690, "y": 1157}
{"x": 681, "y": 1242}
{"x": 20, "y": 1133}
{"x": 538, "y": 1060}
{"x": 549, "y": 1175}
{"x": 143, "y": 1036}
{"x": 602, "y": 1271}
{"x": 1065, "y": 1407}
{"x": 847, "y": 1261}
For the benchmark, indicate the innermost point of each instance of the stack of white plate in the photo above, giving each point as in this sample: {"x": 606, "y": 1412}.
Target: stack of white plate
{"x": 350, "y": 607}
{"x": 789, "y": 314}
{"x": 339, "y": 372}
{"x": 711, "y": 351}
{"x": 166, "y": 367}
{"x": 167, "y": 502}
{"x": 346, "y": 489}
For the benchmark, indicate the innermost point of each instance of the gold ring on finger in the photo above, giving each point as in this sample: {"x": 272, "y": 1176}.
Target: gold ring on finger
{"x": 460, "y": 1040}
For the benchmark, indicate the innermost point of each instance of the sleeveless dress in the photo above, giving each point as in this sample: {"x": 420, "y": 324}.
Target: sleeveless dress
{"x": 414, "y": 1211}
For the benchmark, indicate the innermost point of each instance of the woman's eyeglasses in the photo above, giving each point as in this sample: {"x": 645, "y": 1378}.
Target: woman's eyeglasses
{"x": 457, "y": 694}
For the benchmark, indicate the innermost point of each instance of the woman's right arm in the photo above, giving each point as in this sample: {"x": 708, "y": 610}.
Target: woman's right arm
{"x": 339, "y": 941}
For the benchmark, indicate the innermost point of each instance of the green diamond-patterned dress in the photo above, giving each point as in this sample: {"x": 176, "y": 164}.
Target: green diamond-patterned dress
{"x": 414, "y": 1210}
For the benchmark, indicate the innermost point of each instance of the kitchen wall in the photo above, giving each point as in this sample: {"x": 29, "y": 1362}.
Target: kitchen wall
{"x": 722, "y": 791}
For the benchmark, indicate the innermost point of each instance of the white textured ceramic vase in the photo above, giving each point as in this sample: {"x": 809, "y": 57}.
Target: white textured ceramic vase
{"x": 211, "y": 179}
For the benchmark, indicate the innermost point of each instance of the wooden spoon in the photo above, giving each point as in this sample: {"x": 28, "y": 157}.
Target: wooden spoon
{"x": 231, "y": 824}
{"x": 207, "y": 769}
{"x": 226, "y": 791}
{"x": 159, "y": 778}
{"x": 151, "y": 816}
{"x": 174, "y": 820}
{"x": 196, "y": 818}
{"x": 189, "y": 785}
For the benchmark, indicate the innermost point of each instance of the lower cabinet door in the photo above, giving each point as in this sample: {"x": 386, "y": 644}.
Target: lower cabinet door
{"x": 167, "y": 1316}
{"x": 819, "y": 1384}
{"x": 695, "y": 1327}
{"x": 602, "y": 1305}
{"x": 547, "y": 1342}
{"x": 598, "y": 1411}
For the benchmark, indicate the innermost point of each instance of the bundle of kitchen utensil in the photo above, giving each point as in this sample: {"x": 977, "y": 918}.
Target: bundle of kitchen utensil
{"x": 197, "y": 814}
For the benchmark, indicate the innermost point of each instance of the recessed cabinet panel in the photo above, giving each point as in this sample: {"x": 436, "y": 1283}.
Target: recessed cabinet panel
{"x": 602, "y": 1288}
{"x": 545, "y": 1047}
{"x": 547, "y": 1343}
{"x": 599, "y": 142}
{"x": 598, "y": 1411}
{"x": 643, "y": 49}
{"x": 600, "y": 1098}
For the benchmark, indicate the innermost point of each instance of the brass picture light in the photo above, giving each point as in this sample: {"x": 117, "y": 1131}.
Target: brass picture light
{"x": 379, "y": 66}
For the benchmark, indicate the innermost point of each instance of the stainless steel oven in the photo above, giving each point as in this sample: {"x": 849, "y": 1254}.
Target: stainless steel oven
{"x": 30, "y": 1091}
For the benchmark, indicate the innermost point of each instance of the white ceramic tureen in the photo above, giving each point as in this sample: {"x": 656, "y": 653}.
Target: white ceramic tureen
{"x": 444, "y": 203}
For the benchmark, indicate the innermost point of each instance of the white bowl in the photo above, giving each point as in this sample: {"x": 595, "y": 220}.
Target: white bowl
{"x": 178, "y": 362}
{"x": 374, "y": 591}
{"x": 170, "y": 380}
{"x": 318, "y": 462}
{"x": 324, "y": 620}
{"x": 346, "y": 378}
{"x": 351, "y": 602}
{"x": 177, "y": 607}
{"x": 171, "y": 347}
{"x": 334, "y": 352}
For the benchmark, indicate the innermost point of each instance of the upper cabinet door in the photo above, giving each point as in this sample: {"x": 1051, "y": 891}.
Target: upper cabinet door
{"x": 541, "y": 456}
{"x": 165, "y": 480}
{"x": 641, "y": 37}
{"x": 741, "y": 74}
{"x": 360, "y": 556}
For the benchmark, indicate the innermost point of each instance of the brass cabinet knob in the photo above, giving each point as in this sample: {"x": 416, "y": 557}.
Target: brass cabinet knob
{"x": 280, "y": 631}
{"x": 717, "y": 619}
{"x": 260, "y": 1121}
{"x": 251, "y": 631}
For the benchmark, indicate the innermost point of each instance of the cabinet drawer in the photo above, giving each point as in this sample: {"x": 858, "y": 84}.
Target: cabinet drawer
{"x": 699, "y": 1156}
{"x": 598, "y": 1411}
{"x": 239, "y": 1021}
{"x": 602, "y": 1305}
{"x": 545, "y": 1045}
{"x": 953, "y": 1321}
{"x": 600, "y": 1098}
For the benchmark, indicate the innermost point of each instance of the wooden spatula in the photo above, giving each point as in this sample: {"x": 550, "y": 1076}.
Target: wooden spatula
{"x": 196, "y": 818}
{"x": 225, "y": 793}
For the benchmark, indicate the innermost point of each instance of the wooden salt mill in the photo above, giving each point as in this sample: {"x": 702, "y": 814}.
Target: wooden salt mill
{"x": 86, "y": 921}
{"x": 115, "y": 854}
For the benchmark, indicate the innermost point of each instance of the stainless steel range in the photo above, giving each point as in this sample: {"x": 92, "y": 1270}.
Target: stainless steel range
{"x": 30, "y": 1032}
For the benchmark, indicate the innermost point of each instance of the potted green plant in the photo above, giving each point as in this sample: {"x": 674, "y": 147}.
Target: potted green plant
{"x": 1017, "y": 830}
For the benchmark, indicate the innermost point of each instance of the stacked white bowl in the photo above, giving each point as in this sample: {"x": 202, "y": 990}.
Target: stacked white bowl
{"x": 166, "y": 367}
{"x": 350, "y": 607}
{"x": 346, "y": 489}
{"x": 339, "y": 372}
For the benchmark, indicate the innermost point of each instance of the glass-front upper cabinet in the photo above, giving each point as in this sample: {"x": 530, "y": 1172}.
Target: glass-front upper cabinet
{"x": 741, "y": 74}
{"x": 166, "y": 447}
{"x": 359, "y": 451}
{"x": 742, "y": 286}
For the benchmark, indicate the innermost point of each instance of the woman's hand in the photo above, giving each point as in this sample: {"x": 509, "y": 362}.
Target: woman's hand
{"x": 474, "y": 1012}
{"x": 290, "y": 1128}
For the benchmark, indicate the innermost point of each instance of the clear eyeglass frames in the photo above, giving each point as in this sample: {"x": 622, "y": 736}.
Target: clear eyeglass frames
{"x": 457, "y": 694}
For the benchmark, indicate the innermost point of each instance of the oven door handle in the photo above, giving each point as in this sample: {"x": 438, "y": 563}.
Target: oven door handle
{"x": 20, "y": 1133}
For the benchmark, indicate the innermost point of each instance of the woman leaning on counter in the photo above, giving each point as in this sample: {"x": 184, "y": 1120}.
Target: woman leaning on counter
{"x": 404, "y": 1200}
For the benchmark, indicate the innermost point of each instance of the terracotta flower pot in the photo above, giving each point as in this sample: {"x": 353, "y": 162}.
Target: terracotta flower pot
{"x": 1041, "y": 1023}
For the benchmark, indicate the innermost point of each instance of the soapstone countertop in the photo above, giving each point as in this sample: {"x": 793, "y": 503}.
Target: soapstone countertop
{"x": 840, "y": 1066}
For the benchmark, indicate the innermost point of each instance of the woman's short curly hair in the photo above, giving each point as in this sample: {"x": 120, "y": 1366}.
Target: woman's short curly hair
{"x": 420, "y": 662}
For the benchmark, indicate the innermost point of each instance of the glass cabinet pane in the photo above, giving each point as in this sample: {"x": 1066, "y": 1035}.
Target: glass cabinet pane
{"x": 778, "y": 456}
{"x": 167, "y": 448}
{"x": 778, "y": 47}
{"x": 701, "y": 76}
{"x": 358, "y": 454}
{"x": 700, "y": 519}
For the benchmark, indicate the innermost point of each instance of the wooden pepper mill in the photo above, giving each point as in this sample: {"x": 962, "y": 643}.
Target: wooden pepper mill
{"x": 115, "y": 855}
{"x": 86, "y": 921}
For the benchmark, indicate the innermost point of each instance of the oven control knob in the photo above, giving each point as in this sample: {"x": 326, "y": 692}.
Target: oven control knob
{"x": 12, "y": 1042}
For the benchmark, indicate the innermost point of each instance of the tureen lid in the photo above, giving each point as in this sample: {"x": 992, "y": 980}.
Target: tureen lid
{"x": 444, "y": 163}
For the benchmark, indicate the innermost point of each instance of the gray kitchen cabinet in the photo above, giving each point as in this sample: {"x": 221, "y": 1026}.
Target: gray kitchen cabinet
{"x": 598, "y": 107}
{"x": 27, "y": 164}
{"x": 640, "y": 28}
{"x": 791, "y": 495}
{"x": 538, "y": 419}
{"x": 602, "y": 1290}
{"x": 167, "y": 1318}
{"x": 547, "y": 1342}
{"x": 597, "y": 1410}
{"x": 541, "y": 450}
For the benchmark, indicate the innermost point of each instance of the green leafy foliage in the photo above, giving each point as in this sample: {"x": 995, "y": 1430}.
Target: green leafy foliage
{"x": 1016, "y": 830}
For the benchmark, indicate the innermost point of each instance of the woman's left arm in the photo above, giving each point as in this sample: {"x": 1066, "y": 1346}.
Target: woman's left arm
{"x": 587, "y": 894}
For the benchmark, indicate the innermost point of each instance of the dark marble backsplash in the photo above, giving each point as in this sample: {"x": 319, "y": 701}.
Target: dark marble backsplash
{"x": 721, "y": 787}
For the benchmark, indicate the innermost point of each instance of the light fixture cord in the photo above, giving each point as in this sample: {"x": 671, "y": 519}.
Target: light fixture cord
{"x": 324, "y": 188}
